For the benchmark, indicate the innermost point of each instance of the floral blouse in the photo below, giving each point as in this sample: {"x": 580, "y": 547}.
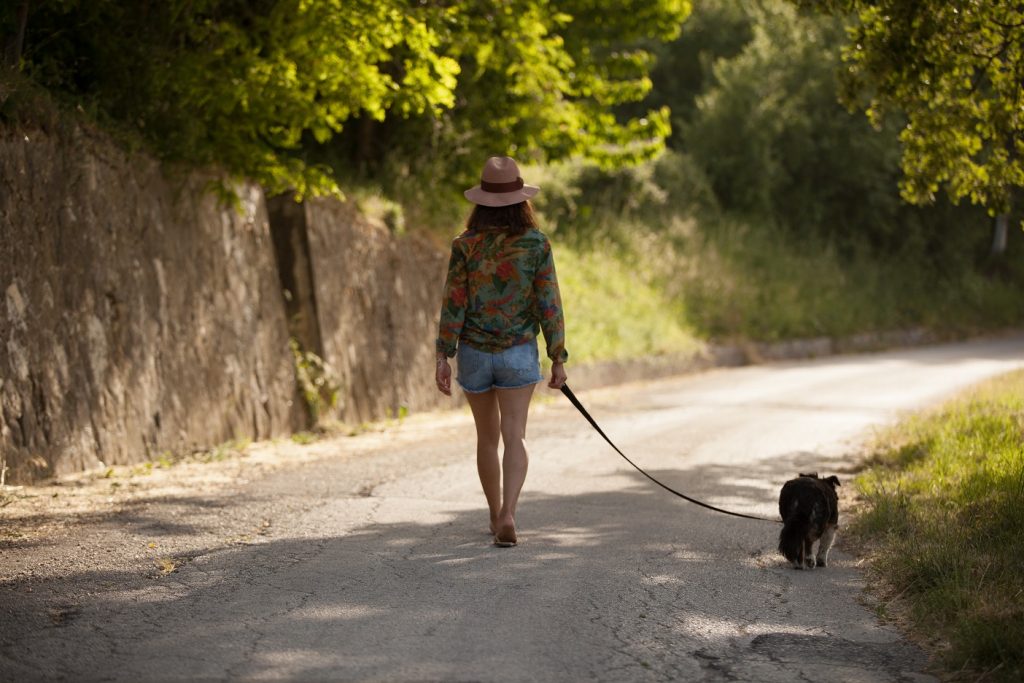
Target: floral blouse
{"x": 500, "y": 289}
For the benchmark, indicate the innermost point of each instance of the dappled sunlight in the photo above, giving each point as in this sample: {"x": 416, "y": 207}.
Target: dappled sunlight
{"x": 749, "y": 483}
{"x": 337, "y": 611}
{"x": 395, "y": 577}
{"x": 595, "y": 564}
{"x": 227, "y": 221}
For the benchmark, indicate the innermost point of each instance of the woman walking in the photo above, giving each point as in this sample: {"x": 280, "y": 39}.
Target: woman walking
{"x": 501, "y": 289}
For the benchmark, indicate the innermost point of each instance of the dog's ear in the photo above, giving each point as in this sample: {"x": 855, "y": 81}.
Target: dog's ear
{"x": 812, "y": 475}
{"x": 834, "y": 480}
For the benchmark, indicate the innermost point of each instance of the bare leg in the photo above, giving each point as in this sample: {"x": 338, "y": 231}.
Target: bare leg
{"x": 488, "y": 431}
{"x": 514, "y": 405}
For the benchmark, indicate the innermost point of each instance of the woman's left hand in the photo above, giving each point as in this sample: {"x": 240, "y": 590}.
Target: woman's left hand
{"x": 558, "y": 376}
{"x": 444, "y": 377}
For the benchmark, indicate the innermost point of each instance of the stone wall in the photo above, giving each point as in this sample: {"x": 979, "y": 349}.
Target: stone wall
{"x": 377, "y": 299}
{"x": 139, "y": 315}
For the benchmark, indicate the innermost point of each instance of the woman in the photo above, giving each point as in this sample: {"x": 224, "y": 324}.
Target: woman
{"x": 501, "y": 288}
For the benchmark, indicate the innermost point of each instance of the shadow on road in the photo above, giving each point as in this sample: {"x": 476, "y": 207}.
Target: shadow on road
{"x": 607, "y": 585}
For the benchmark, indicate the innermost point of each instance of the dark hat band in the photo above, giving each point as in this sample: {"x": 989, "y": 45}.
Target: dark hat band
{"x": 512, "y": 186}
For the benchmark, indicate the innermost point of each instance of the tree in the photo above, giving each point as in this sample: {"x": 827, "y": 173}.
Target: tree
{"x": 777, "y": 146}
{"x": 955, "y": 69}
{"x": 262, "y": 87}
{"x": 15, "y": 17}
{"x": 540, "y": 80}
{"x": 715, "y": 30}
{"x": 240, "y": 84}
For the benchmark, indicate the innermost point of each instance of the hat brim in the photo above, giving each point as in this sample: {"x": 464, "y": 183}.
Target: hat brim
{"x": 494, "y": 199}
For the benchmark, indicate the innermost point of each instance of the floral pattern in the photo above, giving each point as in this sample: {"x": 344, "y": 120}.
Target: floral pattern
{"x": 501, "y": 290}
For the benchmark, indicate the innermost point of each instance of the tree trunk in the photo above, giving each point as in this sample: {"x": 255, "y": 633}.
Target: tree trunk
{"x": 999, "y": 234}
{"x": 14, "y": 43}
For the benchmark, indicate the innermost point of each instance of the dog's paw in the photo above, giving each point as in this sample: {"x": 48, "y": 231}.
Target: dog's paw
{"x": 798, "y": 565}
{"x": 822, "y": 562}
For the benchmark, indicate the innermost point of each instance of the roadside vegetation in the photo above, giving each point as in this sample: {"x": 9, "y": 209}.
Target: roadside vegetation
{"x": 614, "y": 311}
{"x": 705, "y": 173}
{"x": 943, "y": 518}
{"x": 775, "y": 212}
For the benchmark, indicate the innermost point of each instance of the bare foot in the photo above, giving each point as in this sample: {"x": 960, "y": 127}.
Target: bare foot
{"x": 505, "y": 533}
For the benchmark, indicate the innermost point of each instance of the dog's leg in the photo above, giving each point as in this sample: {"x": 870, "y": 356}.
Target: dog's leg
{"x": 808, "y": 553}
{"x": 798, "y": 561}
{"x": 826, "y": 544}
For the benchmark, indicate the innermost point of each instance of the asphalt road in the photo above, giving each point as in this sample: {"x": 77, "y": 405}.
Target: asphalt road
{"x": 367, "y": 558}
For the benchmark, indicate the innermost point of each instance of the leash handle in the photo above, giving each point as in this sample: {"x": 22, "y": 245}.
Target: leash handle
{"x": 593, "y": 423}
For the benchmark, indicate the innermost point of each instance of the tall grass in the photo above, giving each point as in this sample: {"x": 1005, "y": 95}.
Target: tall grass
{"x": 944, "y": 514}
{"x": 757, "y": 283}
{"x": 735, "y": 277}
{"x": 613, "y": 309}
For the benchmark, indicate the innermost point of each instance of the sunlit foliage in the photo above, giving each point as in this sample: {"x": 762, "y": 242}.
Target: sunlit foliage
{"x": 955, "y": 68}
{"x": 263, "y": 87}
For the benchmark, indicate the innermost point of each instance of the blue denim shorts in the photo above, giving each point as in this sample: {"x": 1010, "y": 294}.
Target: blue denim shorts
{"x": 512, "y": 368}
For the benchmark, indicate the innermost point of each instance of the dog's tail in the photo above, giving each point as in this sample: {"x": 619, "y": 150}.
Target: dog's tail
{"x": 791, "y": 538}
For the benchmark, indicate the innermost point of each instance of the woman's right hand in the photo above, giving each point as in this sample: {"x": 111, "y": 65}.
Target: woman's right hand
{"x": 558, "y": 375}
{"x": 443, "y": 376}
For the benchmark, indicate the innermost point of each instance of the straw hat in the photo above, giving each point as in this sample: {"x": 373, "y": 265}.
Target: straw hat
{"x": 500, "y": 184}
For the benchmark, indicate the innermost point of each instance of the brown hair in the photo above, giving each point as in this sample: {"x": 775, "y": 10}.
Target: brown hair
{"x": 515, "y": 219}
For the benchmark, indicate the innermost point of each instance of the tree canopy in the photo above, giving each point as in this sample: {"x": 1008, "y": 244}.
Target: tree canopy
{"x": 955, "y": 69}
{"x": 757, "y": 113}
{"x": 261, "y": 87}
{"x": 759, "y": 139}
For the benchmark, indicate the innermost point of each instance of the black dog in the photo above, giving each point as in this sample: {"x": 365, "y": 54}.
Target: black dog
{"x": 810, "y": 511}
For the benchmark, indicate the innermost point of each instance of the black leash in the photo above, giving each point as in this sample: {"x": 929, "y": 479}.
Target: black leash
{"x": 583, "y": 411}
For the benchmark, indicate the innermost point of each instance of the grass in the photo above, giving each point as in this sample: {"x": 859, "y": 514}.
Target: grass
{"x": 613, "y": 312}
{"x": 652, "y": 292}
{"x": 742, "y": 282}
{"x": 944, "y": 517}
